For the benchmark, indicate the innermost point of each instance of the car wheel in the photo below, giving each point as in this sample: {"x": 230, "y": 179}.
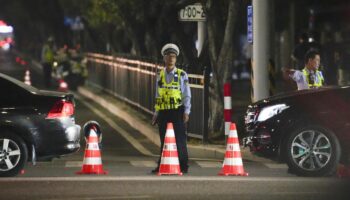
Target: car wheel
{"x": 312, "y": 151}
{"x": 13, "y": 154}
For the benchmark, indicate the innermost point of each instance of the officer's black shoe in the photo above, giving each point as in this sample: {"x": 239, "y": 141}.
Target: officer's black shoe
{"x": 155, "y": 170}
{"x": 184, "y": 171}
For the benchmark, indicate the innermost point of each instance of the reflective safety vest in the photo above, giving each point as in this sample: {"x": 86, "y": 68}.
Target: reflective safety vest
{"x": 169, "y": 93}
{"x": 313, "y": 84}
{"x": 48, "y": 54}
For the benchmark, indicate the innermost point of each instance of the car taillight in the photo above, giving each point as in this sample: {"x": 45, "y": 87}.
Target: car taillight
{"x": 61, "y": 109}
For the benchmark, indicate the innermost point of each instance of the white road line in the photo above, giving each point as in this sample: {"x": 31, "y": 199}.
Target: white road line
{"x": 276, "y": 166}
{"x": 120, "y": 130}
{"x": 106, "y": 197}
{"x": 141, "y": 163}
{"x": 208, "y": 164}
{"x": 73, "y": 164}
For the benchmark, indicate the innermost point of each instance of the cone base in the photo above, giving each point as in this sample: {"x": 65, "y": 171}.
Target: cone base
{"x": 169, "y": 174}
{"x": 233, "y": 174}
{"x": 233, "y": 171}
{"x": 169, "y": 170}
{"x": 92, "y": 169}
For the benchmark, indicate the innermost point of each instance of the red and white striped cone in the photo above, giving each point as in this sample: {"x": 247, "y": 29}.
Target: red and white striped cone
{"x": 92, "y": 163}
{"x": 27, "y": 78}
{"x": 169, "y": 162}
{"x": 62, "y": 86}
{"x": 227, "y": 107}
{"x": 233, "y": 164}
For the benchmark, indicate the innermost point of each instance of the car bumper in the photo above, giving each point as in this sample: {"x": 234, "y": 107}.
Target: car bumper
{"x": 261, "y": 139}
{"x": 58, "y": 141}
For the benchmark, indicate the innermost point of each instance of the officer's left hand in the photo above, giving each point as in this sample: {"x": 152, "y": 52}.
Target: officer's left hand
{"x": 186, "y": 118}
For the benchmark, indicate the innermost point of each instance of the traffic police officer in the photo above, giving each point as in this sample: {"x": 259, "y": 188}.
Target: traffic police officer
{"x": 310, "y": 76}
{"x": 173, "y": 103}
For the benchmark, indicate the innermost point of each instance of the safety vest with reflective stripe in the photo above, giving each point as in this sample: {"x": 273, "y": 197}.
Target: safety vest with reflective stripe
{"x": 169, "y": 93}
{"x": 319, "y": 78}
{"x": 48, "y": 54}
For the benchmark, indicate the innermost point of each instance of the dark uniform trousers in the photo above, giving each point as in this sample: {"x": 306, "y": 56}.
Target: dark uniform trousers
{"x": 176, "y": 117}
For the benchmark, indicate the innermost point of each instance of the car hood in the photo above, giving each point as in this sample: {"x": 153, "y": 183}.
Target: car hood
{"x": 294, "y": 94}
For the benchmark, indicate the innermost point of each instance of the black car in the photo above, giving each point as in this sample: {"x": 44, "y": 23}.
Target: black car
{"x": 34, "y": 124}
{"x": 308, "y": 129}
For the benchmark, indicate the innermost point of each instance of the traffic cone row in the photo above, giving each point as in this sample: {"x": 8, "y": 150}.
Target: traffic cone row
{"x": 92, "y": 163}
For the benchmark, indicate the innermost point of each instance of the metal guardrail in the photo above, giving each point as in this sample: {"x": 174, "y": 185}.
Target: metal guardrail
{"x": 134, "y": 82}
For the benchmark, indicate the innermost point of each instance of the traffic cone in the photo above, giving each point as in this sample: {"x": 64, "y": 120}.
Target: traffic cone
{"x": 62, "y": 86}
{"x": 92, "y": 163}
{"x": 233, "y": 164}
{"x": 343, "y": 171}
{"x": 169, "y": 162}
{"x": 27, "y": 77}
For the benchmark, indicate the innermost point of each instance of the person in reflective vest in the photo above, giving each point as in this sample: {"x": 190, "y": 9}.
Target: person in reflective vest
{"x": 173, "y": 103}
{"x": 47, "y": 58}
{"x": 310, "y": 76}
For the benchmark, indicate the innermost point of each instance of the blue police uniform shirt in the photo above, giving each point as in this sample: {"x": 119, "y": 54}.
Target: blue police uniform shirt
{"x": 185, "y": 88}
{"x": 299, "y": 77}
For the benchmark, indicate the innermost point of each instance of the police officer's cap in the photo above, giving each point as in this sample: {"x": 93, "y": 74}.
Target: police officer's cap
{"x": 170, "y": 48}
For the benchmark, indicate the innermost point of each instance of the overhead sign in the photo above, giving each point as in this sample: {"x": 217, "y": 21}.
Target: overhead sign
{"x": 250, "y": 24}
{"x": 192, "y": 13}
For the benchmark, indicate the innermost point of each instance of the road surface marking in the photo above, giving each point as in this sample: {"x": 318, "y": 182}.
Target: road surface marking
{"x": 106, "y": 197}
{"x": 276, "y": 166}
{"x": 169, "y": 178}
{"x": 208, "y": 164}
{"x": 143, "y": 163}
{"x": 73, "y": 164}
{"x": 138, "y": 146}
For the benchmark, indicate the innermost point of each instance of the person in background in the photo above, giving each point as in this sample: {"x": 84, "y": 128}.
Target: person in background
{"x": 299, "y": 51}
{"x": 47, "y": 58}
{"x": 173, "y": 103}
{"x": 310, "y": 76}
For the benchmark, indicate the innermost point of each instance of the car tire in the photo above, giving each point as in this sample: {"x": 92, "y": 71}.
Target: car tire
{"x": 312, "y": 151}
{"x": 13, "y": 154}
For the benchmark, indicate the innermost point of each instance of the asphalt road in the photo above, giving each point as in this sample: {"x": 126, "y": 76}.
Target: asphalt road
{"x": 129, "y": 157}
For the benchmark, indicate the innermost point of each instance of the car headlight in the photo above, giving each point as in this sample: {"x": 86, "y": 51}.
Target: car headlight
{"x": 271, "y": 111}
